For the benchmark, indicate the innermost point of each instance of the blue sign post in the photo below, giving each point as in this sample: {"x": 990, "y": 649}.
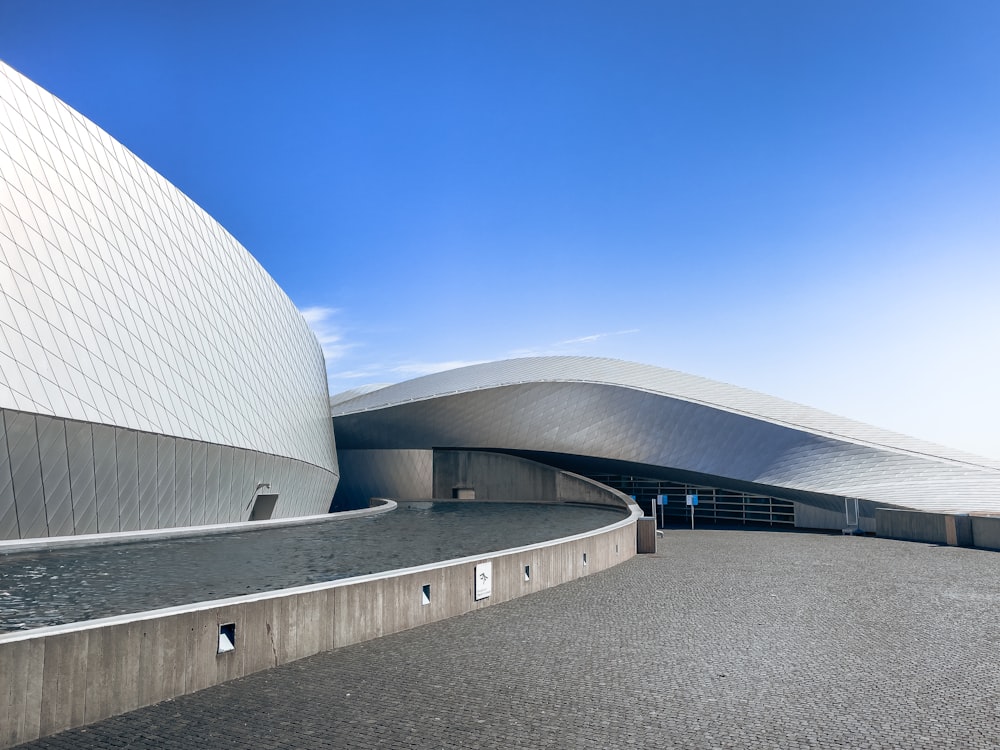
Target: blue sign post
{"x": 661, "y": 500}
{"x": 692, "y": 500}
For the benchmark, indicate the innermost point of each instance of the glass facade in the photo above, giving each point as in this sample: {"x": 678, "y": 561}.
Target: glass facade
{"x": 714, "y": 504}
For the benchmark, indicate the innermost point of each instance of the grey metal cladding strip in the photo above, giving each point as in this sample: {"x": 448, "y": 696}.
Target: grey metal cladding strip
{"x": 55, "y": 475}
{"x": 106, "y": 479}
{"x": 285, "y": 488}
{"x": 250, "y": 480}
{"x": 303, "y": 482}
{"x": 313, "y": 484}
{"x": 266, "y": 473}
{"x": 166, "y": 498}
{"x": 80, "y": 453}
{"x": 8, "y": 510}
{"x": 213, "y": 455}
{"x": 182, "y": 482}
{"x": 148, "y": 517}
{"x": 26, "y": 473}
{"x": 298, "y": 479}
{"x": 226, "y": 457}
{"x": 126, "y": 443}
{"x": 291, "y": 483}
{"x": 198, "y": 477}
{"x": 241, "y": 485}
{"x": 272, "y": 476}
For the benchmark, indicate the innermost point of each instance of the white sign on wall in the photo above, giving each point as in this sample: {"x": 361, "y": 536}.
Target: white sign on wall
{"x": 484, "y": 580}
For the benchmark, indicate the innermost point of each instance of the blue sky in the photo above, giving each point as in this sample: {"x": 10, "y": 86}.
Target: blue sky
{"x": 797, "y": 197}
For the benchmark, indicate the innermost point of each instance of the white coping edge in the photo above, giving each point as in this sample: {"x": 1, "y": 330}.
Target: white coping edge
{"x": 152, "y": 535}
{"x": 634, "y": 514}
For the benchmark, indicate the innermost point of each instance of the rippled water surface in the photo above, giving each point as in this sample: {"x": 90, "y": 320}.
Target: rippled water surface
{"x": 71, "y": 585}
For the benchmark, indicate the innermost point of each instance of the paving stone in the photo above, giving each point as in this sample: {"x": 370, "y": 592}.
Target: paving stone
{"x": 724, "y": 639}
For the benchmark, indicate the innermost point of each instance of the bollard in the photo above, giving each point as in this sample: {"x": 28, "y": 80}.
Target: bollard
{"x": 645, "y": 539}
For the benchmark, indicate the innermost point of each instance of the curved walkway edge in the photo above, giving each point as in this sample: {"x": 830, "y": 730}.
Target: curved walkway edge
{"x": 721, "y": 640}
{"x": 67, "y": 676}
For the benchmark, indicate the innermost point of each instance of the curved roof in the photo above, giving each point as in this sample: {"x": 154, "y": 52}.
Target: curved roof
{"x": 638, "y": 413}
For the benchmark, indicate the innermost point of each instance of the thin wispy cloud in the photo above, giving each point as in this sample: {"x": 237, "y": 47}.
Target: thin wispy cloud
{"x": 383, "y": 374}
{"x": 391, "y": 373}
{"x": 328, "y": 333}
{"x": 568, "y": 346}
{"x": 360, "y": 373}
{"x": 596, "y": 337}
{"x": 416, "y": 369}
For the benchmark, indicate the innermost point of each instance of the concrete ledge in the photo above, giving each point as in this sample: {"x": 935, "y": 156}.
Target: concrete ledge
{"x": 64, "y": 676}
{"x": 379, "y": 505}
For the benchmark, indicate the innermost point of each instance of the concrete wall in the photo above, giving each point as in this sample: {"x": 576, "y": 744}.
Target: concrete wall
{"x": 495, "y": 476}
{"x": 918, "y": 526}
{"x": 985, "y": 532}
{"x": 809, "y": 516}
{"x": 572, "y": 488}
{"x": 982, "y": 532}
{"x": 426, "y": 474}
{"x": 499, "y": 476}
{"x": 65, "y": 676}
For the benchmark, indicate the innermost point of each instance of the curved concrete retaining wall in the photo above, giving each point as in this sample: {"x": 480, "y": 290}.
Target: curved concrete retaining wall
{"x": 60, "y": 677}
{"x": 442, "y": 472}
{"x": 919, "y": 526}
{"x": 505, "y": 478}
{"x": 982, "y": 532}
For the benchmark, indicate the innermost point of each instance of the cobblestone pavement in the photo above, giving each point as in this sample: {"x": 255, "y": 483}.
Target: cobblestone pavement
{"x": 724, "y": 639}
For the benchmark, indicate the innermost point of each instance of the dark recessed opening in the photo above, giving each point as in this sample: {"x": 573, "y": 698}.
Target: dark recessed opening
{"x": 263, "y": 507}
{"x": 227, "y": 638}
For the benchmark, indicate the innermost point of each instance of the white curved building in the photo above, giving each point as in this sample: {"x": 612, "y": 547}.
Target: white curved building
{"x": 152, "y": 374}
{"x": 651, "y": 432}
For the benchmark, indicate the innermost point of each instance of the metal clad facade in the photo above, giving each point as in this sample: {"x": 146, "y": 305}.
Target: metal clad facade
{"x": 125, "y": 306}
{"x": 647, "y": 416}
